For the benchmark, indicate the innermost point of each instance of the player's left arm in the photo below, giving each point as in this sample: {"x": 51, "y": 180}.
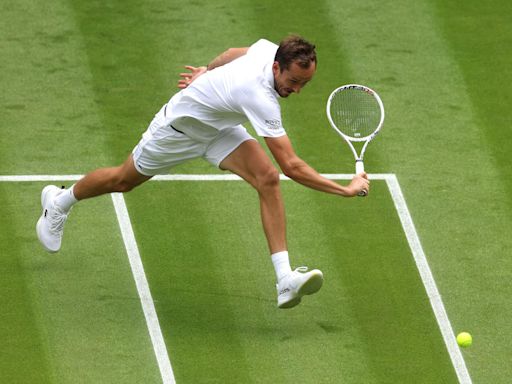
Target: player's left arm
{"x": 225, "y": 57}
{"x": 298, "y": 170}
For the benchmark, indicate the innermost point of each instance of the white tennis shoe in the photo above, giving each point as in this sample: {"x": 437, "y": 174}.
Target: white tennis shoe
{"x": 296, "y": 284}
{"x": 50, "y": 225}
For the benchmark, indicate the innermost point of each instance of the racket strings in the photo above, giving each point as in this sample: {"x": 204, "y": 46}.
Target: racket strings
{"x": 356, "y": 113}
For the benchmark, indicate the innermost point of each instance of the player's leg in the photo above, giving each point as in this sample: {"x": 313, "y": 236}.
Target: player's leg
{"x": 250, "y": 162}
{"x": 107, "y": 180}
{"x": 160, "y": 148}
{"x": 57, "y": 202}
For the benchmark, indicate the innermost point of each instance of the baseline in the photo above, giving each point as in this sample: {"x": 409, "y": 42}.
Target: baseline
{"x": 180, "y": 177}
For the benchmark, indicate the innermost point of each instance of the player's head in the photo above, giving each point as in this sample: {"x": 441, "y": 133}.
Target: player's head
{"x": 295, "y": 49}
{"x": 294, "y": 65}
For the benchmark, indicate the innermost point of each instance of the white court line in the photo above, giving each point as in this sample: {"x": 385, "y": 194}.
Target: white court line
{"x": 21, "y": 178}
{"x": 141, "y": 283}
{"x": 405, "y": 219}
{"x": 178, "y": 177}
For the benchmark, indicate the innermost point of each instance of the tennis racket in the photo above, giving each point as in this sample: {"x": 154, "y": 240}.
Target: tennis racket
{"x": 356, "y": 112}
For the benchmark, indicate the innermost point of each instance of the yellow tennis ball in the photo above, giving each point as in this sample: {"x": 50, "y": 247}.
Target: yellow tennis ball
{"x": 464, "y": 339}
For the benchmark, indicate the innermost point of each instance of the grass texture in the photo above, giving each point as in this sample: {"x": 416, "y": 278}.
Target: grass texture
{"x": 80, "y": 82}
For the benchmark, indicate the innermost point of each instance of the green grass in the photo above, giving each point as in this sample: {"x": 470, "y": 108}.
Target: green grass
{"x": 76, "y": 316}
{"x": 80, "y": 82}
{"x": 211, "y": 282}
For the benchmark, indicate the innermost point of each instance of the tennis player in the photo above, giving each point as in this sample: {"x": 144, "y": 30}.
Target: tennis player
{"x": 204, "y": 120}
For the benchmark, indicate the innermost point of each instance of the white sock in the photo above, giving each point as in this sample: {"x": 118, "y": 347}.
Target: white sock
{"x": 66, "y": 199}
{"x": 281, "y": 264}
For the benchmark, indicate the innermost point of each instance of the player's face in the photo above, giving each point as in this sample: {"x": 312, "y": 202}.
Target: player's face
{"x": 293, "y": 79}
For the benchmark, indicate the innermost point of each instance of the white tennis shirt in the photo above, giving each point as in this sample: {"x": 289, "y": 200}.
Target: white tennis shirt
{"x": 227, "y": 96}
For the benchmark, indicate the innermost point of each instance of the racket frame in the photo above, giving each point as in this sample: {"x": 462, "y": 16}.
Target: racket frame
{"x": 350, "y": 139}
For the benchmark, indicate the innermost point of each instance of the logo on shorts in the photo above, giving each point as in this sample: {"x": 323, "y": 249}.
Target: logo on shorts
{"x": 273, "y": 123}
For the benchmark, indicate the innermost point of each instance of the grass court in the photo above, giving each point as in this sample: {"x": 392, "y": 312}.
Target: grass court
{"x": 81, "y": 81}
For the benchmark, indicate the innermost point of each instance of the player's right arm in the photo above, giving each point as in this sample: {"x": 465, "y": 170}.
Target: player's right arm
{"x": 225, "y": 57}
{"x": 301, "y": 172}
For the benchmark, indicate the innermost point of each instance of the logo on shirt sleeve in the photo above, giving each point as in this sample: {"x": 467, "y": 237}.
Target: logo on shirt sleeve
{"x": 273, "y": 124}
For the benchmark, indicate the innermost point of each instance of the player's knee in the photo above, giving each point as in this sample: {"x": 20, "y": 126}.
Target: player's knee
{"x": 124, "y": 186}
{"x": 267, "y": 179}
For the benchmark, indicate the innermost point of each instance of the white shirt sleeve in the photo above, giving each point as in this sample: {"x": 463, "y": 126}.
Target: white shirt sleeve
{"x": 264, "y": 114}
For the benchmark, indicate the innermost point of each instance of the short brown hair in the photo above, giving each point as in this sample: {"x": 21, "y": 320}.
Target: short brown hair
{"x": 295, "y": 49}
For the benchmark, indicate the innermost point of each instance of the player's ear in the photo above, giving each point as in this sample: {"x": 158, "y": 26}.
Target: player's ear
{"x": 276, "y": 69}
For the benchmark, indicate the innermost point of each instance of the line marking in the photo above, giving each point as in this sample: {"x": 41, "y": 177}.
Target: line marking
{"x": 21, "y": 178}
{"x": 179, "y": 177}
{"x": 147, "y": 302}
{"x": 428, "y": 281}
{"x": 141, "y": 283}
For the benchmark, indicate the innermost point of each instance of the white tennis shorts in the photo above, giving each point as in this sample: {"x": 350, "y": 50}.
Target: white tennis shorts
{"x": 162, "y": 147}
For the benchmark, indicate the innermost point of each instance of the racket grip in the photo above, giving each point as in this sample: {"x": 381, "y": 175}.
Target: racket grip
{"x": 359, "y": 167}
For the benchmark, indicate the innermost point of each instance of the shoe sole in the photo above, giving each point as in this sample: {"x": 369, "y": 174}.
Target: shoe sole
{"x": 313, "y": 284}
{"x": 310, "y": 286}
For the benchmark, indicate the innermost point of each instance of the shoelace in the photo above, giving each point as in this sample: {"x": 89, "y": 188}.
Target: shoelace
{"x": 57, "y": 219}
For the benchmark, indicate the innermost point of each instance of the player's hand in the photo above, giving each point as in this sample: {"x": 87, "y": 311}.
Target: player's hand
{"x": 360, "y": 185}
{"x": 188, "y": 77}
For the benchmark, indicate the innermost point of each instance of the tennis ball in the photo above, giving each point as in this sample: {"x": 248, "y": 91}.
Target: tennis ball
{"x": 464, "y": 339}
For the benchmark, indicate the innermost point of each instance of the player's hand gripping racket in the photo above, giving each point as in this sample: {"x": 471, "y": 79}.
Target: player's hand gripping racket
{"x": 356, "y": 112}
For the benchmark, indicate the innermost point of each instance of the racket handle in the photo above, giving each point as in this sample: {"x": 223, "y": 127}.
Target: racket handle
{"x": 359, "y": 167}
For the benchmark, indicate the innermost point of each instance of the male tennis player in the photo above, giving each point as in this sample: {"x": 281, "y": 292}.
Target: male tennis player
{"x": 204, "y": 120}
